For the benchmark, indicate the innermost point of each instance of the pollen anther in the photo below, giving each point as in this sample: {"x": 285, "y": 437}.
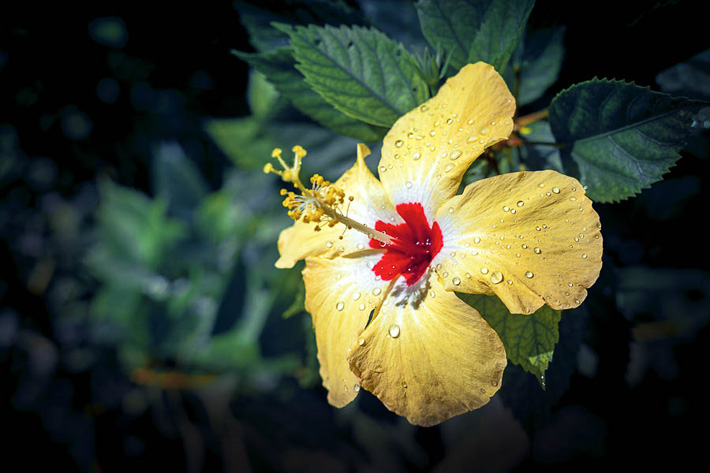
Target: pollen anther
{"x": 322, "y": 203}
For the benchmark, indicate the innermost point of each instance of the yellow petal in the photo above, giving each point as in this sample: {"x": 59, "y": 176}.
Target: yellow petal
{"x": 369, "y": 205}
{"x": 340, "y": 294}
{"x": 529, "y": 237}
{"x": 431, "y": 359}
{"x": 427, "y": 151}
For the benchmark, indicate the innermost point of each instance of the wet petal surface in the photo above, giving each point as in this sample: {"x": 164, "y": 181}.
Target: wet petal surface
{"x": 429, "y": 356}
{"x": 532, "y": 238}
{"x": 427, "y": 151}
{"x": 340, "y": 295}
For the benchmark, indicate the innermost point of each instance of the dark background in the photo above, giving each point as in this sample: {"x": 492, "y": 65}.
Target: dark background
{"x": 73, "y": 109}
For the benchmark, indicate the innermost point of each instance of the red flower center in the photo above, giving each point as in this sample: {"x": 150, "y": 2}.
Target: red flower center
{"x": 414, "y": 245}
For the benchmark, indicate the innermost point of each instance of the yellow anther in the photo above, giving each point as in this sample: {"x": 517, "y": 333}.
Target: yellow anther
{"x": 284, "y": 192}
{"x": 525, "y": 130}
{"x": 300, "y": 152}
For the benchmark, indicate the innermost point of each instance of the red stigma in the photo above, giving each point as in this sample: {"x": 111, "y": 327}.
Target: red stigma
{"x": 414, "y": 245}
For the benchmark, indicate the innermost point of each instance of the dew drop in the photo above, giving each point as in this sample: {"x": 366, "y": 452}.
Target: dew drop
{"x": 408, "y": 184}
{"x": 456, "y": 154}
{"x": 416, "y": 156}
{"x": 383, "y": 168}
{"x": 362, "y": 307}
{"x": 448, "y": 167}
{"x": 394, "y": 331}
{"x": 329, "y": 244}
{"x": 477, "y": 240}
{"x": 520, "y": 203}
{"x": 556, "y": 190}
{"x": 537, "y": 250}
{"x": 377, "y": 291}
{"x": 398, "y": 143}
{"x": 340, "y": 306}
{"x": 584, "y": 256}
{"x": 356, "y": 296}
{"x": 506, "y": 208}
{"x": 529, "y": 274}
{"x": 356, "y": 388}
{"x": 484, "y": 270}
{"x": 424, "y": 108}
{"x": 456, "y": 281}
{"x": 361, "y": 341}
{"x": 496, "y": 277}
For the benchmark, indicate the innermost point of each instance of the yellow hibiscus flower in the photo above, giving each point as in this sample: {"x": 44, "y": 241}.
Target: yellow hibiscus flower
{"x": 384, "y": 257}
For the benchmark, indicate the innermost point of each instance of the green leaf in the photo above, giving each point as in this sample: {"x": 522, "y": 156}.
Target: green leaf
{"x": 279, "y": 68}
{"x": 540, "y": 64}
{"x": 529, "y": 340}
{"x": 621, "y": 137}
{"x": 258, "y": 15}
{"x": 474, "y": 30}
{"x": 245, "y": 140}
{"x": 360, "y": 71}
{"x": 177, "y": 180}
{"x": 135, "y": 228}
{"x": 262, "y": 96}
{"x": 538, "y": 154}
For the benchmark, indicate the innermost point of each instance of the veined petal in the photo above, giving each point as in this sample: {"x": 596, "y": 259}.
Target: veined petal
{"x": 340, "y": 295}
{"x": 427, "y": 151}
{"x": 429, "y": 359}
{"x": 370, "y": 204}
{"x": 529, "y": 237}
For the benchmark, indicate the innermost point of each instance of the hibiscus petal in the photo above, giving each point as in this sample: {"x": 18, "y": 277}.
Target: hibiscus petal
{"x": 340, "y": 295}
{"x": 370, "y": 204}
{"x": 427, "y": 151}
{"x": 429, "y": 359}
{"x": 532, "y": 238}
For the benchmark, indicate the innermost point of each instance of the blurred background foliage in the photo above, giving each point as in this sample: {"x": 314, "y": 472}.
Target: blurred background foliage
{"x": 142, "y": 323}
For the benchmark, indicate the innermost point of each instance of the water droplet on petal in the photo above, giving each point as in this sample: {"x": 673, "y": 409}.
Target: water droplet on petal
{"x": 376, "y": 291}
{"x": 496, "y": 277}
{"x": 529, "y": 274}
{"x": 537, "y": 250}
{"x": 329, "y": 244}
{"x": 477, "y": 240}
{"x": 456, "y": 281}
{"x": 416, "y": 156}
{"x": 408, "y": 185}
{"x": 456, "y": 154}
{"x": 356, "y": 388}
{"x": 520, "y": 203}
{"x": 484, "y": 270}
{"x": 340, "y": 306}
{"x": 394, "y": 331}
{"x": 424, "y": 108}
{"x": 398, "y": 143}
{"x": 361, "y": 341}
{"x": 556, "y": 190}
